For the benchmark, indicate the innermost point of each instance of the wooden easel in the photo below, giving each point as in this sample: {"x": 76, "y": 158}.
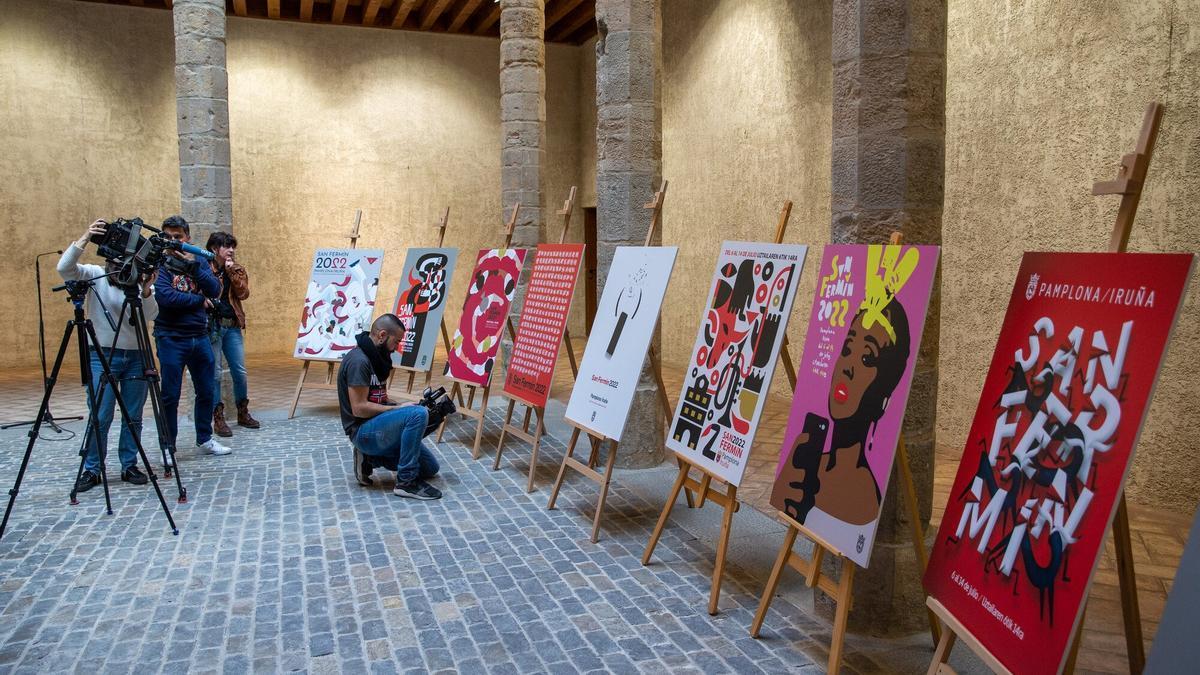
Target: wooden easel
{"x": 522, "y": 432}
{"x": 1131, "y": 176}
{"x": 727, "y": 498}
{"x": 598, "y": 439}
{"x": 328, "y": 384}
{"x": 412, "y": 372}
{"x": 458, "y": 385}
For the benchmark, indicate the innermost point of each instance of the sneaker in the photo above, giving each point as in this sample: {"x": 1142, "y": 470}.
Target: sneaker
{"x": 417, "y": 489}
{"x": 86, "y": 481}
{"x": 362, "y": 469}
{"x": 134, "y": 475}
{"x": 170, "y": 459}
{"x": 212, "y": 447}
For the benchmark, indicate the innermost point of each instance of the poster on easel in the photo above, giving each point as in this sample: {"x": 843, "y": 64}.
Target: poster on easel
{"x": 420, "y": 303}
{"x": 476, "y": 340}
{"x": 1047, "y": 454}
{"x": 852, "y": 385}
{"x": 733, "y": 359}
{"x": 543, "y": 321}
{"x": 620, "y": 338}
{"x": 339, "y": 303}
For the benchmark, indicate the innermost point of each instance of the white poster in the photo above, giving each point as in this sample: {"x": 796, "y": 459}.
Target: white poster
{"x": 339, "y": 303}
{"x": 620, "y": 337}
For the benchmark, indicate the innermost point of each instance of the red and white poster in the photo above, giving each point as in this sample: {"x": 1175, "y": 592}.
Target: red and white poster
{"x": 543, "y": 321}
{"x": 1047, "y": 454}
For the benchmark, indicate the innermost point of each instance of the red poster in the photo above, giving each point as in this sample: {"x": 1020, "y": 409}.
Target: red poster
{"x": 543, "y": 321}
{"x": 1047, "y": 454}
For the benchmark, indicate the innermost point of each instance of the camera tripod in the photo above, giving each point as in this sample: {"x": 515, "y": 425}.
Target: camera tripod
{"x": 85, "y": 334}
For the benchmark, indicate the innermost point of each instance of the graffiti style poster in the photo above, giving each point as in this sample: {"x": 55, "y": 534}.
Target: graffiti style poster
{"x": 1047, "y": 454}
{"x": 543, "y": 321}
{"x": 339, "y": 303}
{"x": 620, "y": 338}
{"x": 420, "y": 303}
{"x": 852, "y": 386}
{"x": 475, "y": 342}
{"x": 727, "y": 378}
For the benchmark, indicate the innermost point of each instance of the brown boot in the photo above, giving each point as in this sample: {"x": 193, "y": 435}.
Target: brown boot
{"x": 244, "y": 418}
{"x": 220, "y": 428}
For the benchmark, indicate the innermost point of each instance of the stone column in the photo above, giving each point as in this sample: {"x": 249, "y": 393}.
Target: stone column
{"x": 523, "y": 125}
{"x": 889, "y": 81}
{"x": 628, "y": 171}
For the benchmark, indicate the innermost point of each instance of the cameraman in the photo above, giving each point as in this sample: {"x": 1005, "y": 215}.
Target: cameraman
{"x": 181, "y": 335}
{"x": 383, "y": 434}
{"x": 226, "y": 323}
{"x": 105, "y": 302}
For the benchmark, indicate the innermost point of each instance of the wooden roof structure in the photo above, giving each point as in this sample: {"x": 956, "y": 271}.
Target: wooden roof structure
{"x": 567, "y": 21}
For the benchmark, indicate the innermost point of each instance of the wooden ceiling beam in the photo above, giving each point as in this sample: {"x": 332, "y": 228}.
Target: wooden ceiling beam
{"x": 239, "y": 7}
{"x": 458, "y": 19}
{"x": 370, "y": 11}
{"x": 485, "y": 24}
{"x": 339, "y": 10}
{"x": 273, "y": 9}
{"x": 431, "y": 13}
{"x": 571, "y": 23}
{"x": 306, "y": 7}
{"x": 400, "y": 11}
{"x": 559, "y": 11}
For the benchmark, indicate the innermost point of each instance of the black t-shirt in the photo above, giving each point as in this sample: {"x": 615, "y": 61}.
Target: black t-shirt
{"x": 224, "y": 307}
{"x": 356, "y": 371}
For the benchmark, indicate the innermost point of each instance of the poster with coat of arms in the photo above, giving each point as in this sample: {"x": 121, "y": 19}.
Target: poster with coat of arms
{"x": 339, "y": 302}
{"x": 481, "y": 325}
{"x": 420, "y": 303}
{"x": 729, "y": 373}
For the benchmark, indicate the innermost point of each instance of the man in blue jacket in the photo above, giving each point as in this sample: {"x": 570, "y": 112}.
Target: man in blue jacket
{"x": 181, "y": 336}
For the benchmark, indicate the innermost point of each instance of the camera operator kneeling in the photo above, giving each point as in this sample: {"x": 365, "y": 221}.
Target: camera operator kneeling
{"x": 104, "y": 305}
{"x": 383, "y": 434}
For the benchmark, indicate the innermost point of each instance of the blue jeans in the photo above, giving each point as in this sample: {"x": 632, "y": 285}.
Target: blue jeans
{"x": 196, "y": 353}
{"x": 393, "y": 441}
{"x": 126, "y": 367}
{"x": 228, "y": 342}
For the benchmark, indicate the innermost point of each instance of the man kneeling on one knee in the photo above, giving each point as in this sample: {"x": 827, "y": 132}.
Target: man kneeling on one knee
{"x": 384, "y": 434}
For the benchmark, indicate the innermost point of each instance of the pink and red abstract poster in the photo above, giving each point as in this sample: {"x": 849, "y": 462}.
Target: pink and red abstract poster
{"x": 1051, "y": 443}
{"x": 852, "y": 384}
{"x": 543, "y": 321}
{"x": 476, "y": 341}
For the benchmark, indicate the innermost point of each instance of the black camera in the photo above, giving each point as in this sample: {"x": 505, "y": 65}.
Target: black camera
{"x": 439, "y": 404}
{"x": 123, "y": 245}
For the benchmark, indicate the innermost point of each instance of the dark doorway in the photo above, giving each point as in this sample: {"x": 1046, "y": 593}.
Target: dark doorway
{"x": 589, "y": 265}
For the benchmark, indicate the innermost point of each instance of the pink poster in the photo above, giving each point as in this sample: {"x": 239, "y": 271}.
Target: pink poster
{"x": 851, "y": 389}
{"x": 543, "y": 321}
{"x": 476, "y": 341}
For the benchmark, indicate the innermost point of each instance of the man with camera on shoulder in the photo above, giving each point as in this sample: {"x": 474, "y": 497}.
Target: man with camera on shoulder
{"x": 181, "y": 337}
{"x": 383, "y": 433}
{"x": 104, "y": 305}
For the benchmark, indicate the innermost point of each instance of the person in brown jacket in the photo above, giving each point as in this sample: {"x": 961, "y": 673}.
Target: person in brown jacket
{"x": 226, "y": 322}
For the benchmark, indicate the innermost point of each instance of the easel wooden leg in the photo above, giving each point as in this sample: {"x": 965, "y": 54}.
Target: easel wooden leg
{"x": 687, "y": 494}
{"x": 562, "y": 470}
{"x": 299, "y": 388}
{"x": 666, "y": 513}
{"x": 705, "y": 482}
{"x": 1128, "y": 579}
{"x": 1069, "y": 666}
{"x": 537, "y": 441}
{"x": 479, "y": 427}
{"x": 454, "y": 390}
{"x": 722, "y": 546}
{"x": 909, "y": 492}
{"x": 612, "y": 459}
{"x": 503, "y": 432}
{"x": 845, "y": 584}
{"x": 942, "y": 653}
{"x": 785, "y": 552}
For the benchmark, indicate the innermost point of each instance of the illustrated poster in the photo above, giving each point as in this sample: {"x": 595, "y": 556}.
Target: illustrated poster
{"x": 485, "y": 311}
{"x": 420, "y": 303}
{"x": 726, "y": 380}
{"x": 543, "y": 321}
{"x": 852, "y": 385}
{"x": 339, "y": 303}
{"x": 620, "y": 337}
{"x": 1048, "y": 451}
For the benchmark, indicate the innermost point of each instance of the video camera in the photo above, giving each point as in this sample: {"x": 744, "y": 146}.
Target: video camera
{"x": 439, "y": 404}
{"x": 123, "y": 244}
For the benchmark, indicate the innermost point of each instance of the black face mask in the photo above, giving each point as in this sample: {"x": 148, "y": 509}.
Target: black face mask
{"x": 377, "y": 354}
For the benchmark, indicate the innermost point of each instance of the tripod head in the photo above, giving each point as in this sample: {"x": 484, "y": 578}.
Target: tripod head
{"x": 77, "y": 290}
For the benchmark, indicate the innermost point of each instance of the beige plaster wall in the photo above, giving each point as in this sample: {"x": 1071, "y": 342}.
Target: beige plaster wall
{"x": 87, "y": 132}
{"x": 746, "y": 125}
{"x": 1043, "y": 99}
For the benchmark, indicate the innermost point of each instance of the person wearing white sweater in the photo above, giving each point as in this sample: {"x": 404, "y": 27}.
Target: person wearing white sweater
{"x": 105, "y": 301}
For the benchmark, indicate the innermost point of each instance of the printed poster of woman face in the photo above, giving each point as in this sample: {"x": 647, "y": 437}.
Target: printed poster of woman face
{"x": 1050, "y": 445}
{"x": 851, "y": 389}
{"x": 477, "y": 339}
{"x": 726, "y": 380}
